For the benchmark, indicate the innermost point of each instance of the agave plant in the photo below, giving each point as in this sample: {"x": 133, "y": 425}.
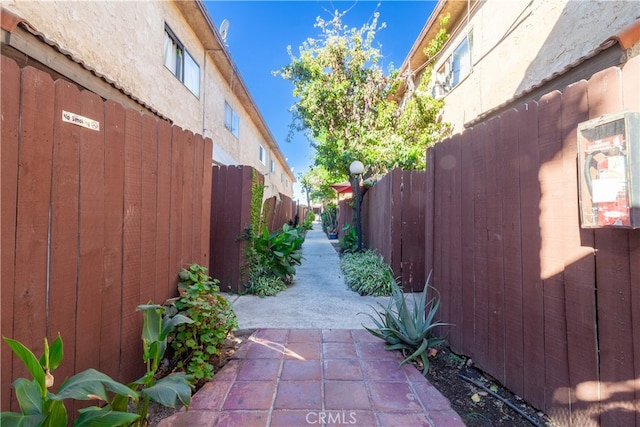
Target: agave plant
{"x": 409, "y": 330}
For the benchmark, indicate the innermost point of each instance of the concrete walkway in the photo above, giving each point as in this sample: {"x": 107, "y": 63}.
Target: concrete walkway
{"x": 310, "y": 362}
{"x": 318, "y": 297}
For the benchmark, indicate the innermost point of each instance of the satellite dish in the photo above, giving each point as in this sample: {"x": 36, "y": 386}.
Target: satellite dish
{"x": 224, "y": 30}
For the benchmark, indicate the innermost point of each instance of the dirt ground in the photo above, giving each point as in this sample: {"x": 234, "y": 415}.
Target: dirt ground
{"x": 475, "y": 404}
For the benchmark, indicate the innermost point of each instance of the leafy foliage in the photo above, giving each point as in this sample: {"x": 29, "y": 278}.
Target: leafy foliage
{"x": 346, "y": 104}
{"x": 267, "y": 285}
{"x": 367, "y": 273}
{"x": 409, "y": 330}
{"x": 212, "y": 319}
{"x": 281, "y": 251}
{"x": 167, "y": 390}
{"x": 307, "y": 224}
{"x": 329, "y": 217}
{"x": 40, "y": 407}
{"x": 349, "y": 241}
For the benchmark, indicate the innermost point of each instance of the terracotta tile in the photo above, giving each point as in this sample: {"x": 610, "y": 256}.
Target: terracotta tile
{"x": 190, "y": 419}
{"x": 277, "y": 335}
{"x": 260, "y": 370}
{"x": 301, "y": 370}
{"x": 303, "y": 351}
{"x": 305, "y": 335}
{"x": 346, "y": 395}
{"x": 339, "y": 350}
{"x": 447, "y": 418}
{"x": 362, "y": 335}
{"x": 265, "y": 349}
{"x": 336, "y": 335}
{"x": 342, "y": 369}
{"x": 383, "y": 370}
{"x": 330, "y": 418}
{"x": 405, "y": 419}
{"x": 430, "y": 397}
{"x": 228, "y": 372}
{"x": 413, "y": 374}
{"x": 394, "y": 397}
{"x": 289, "y": 418}
{"x": 255, "y": 395}
{"x": 299, "y": 395}
{"x": 376, "y": 351}
{"x": 242, "y": 418}
{"x": 211, "y": 396}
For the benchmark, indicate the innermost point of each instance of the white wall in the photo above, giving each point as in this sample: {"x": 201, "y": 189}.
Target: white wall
{"x": 517, "y": 44}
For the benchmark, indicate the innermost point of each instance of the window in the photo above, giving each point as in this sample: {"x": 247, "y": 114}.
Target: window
{"x": 272, "y": 169}
{"x": 231, "y": 120}
{"x": 262, "y": 155}
{"x": 180, "y": 62}
{"x": 455, "y": 68}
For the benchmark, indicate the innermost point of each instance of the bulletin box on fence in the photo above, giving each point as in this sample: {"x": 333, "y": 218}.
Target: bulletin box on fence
{"x": 609, "y": 171}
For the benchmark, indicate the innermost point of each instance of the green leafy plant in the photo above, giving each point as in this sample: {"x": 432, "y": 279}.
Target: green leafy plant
{"x": 307, "y": 224}
{"x": 40, "y": 407}
{"x": 409, "y": 330}
{"x": 329, "y": 217}
{"x": 169, "y": 389}
{"x": 349, "y": 241}
{"x": 265, "y": 286}
{"x": 212, "y": 316}
{"x": 367, "y": 273}
{"x": 280, "y": 251}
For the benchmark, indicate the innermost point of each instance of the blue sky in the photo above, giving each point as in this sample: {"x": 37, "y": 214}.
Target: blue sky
{"x": 260, "y": 32}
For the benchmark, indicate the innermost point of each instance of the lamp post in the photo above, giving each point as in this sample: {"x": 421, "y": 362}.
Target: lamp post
{"x": 356, "y": 168}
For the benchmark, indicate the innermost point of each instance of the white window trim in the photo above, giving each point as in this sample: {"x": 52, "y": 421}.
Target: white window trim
{"x": 272, "y": 167}
{"x": 231, "y": 120}
{"x": 262, "y": 155}
{"x": 458, "y": 62}
{"x": 180, "y": 62}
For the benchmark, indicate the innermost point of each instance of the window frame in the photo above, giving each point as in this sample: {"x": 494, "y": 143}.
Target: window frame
{"x": 231, "y": 120}
{"x": 455, "y": 69}
{"x": 181, "y": 64}
{"x": 272, "y": 166}
{"x": 262, "y": 154}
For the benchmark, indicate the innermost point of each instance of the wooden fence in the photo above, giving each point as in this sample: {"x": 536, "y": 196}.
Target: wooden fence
{"x": 95, "y": 221}
{"x": 231, "y": 194}
{"x": 549, "y": 309}
{"x": 393, "y": 223}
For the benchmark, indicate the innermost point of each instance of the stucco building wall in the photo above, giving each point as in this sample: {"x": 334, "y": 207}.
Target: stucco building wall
{"x": 517, "y": 44}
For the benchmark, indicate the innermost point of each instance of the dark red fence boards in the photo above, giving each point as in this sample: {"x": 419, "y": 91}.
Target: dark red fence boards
{"x": 280, "y": 211}
{"x": 613, "y": 274}
{"x": 231, "y": 188}
{"x": 512, "y": 255}
{"x": 85, "y": 223}
{"x": 530, "y": 315}
{"x": 9, "y": 136}
{"x": 393, "y": 215}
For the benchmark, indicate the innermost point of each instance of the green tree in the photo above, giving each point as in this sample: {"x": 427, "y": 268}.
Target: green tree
{"x": 316, "y": 183}
{"x": 345, "y": 103}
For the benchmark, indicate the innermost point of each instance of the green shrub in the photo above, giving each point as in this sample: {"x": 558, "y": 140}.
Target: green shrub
{"x": 213, "y": 318}
{"x": 307, "y": 224}
{"x": 329, "y": 217}
{"x": 410, "y": 331}
{"x": 265, "y": 286}
{"x": 349, "y": 241}
{"x": 367, "y": 273}
{"x": 41, "y": 407}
